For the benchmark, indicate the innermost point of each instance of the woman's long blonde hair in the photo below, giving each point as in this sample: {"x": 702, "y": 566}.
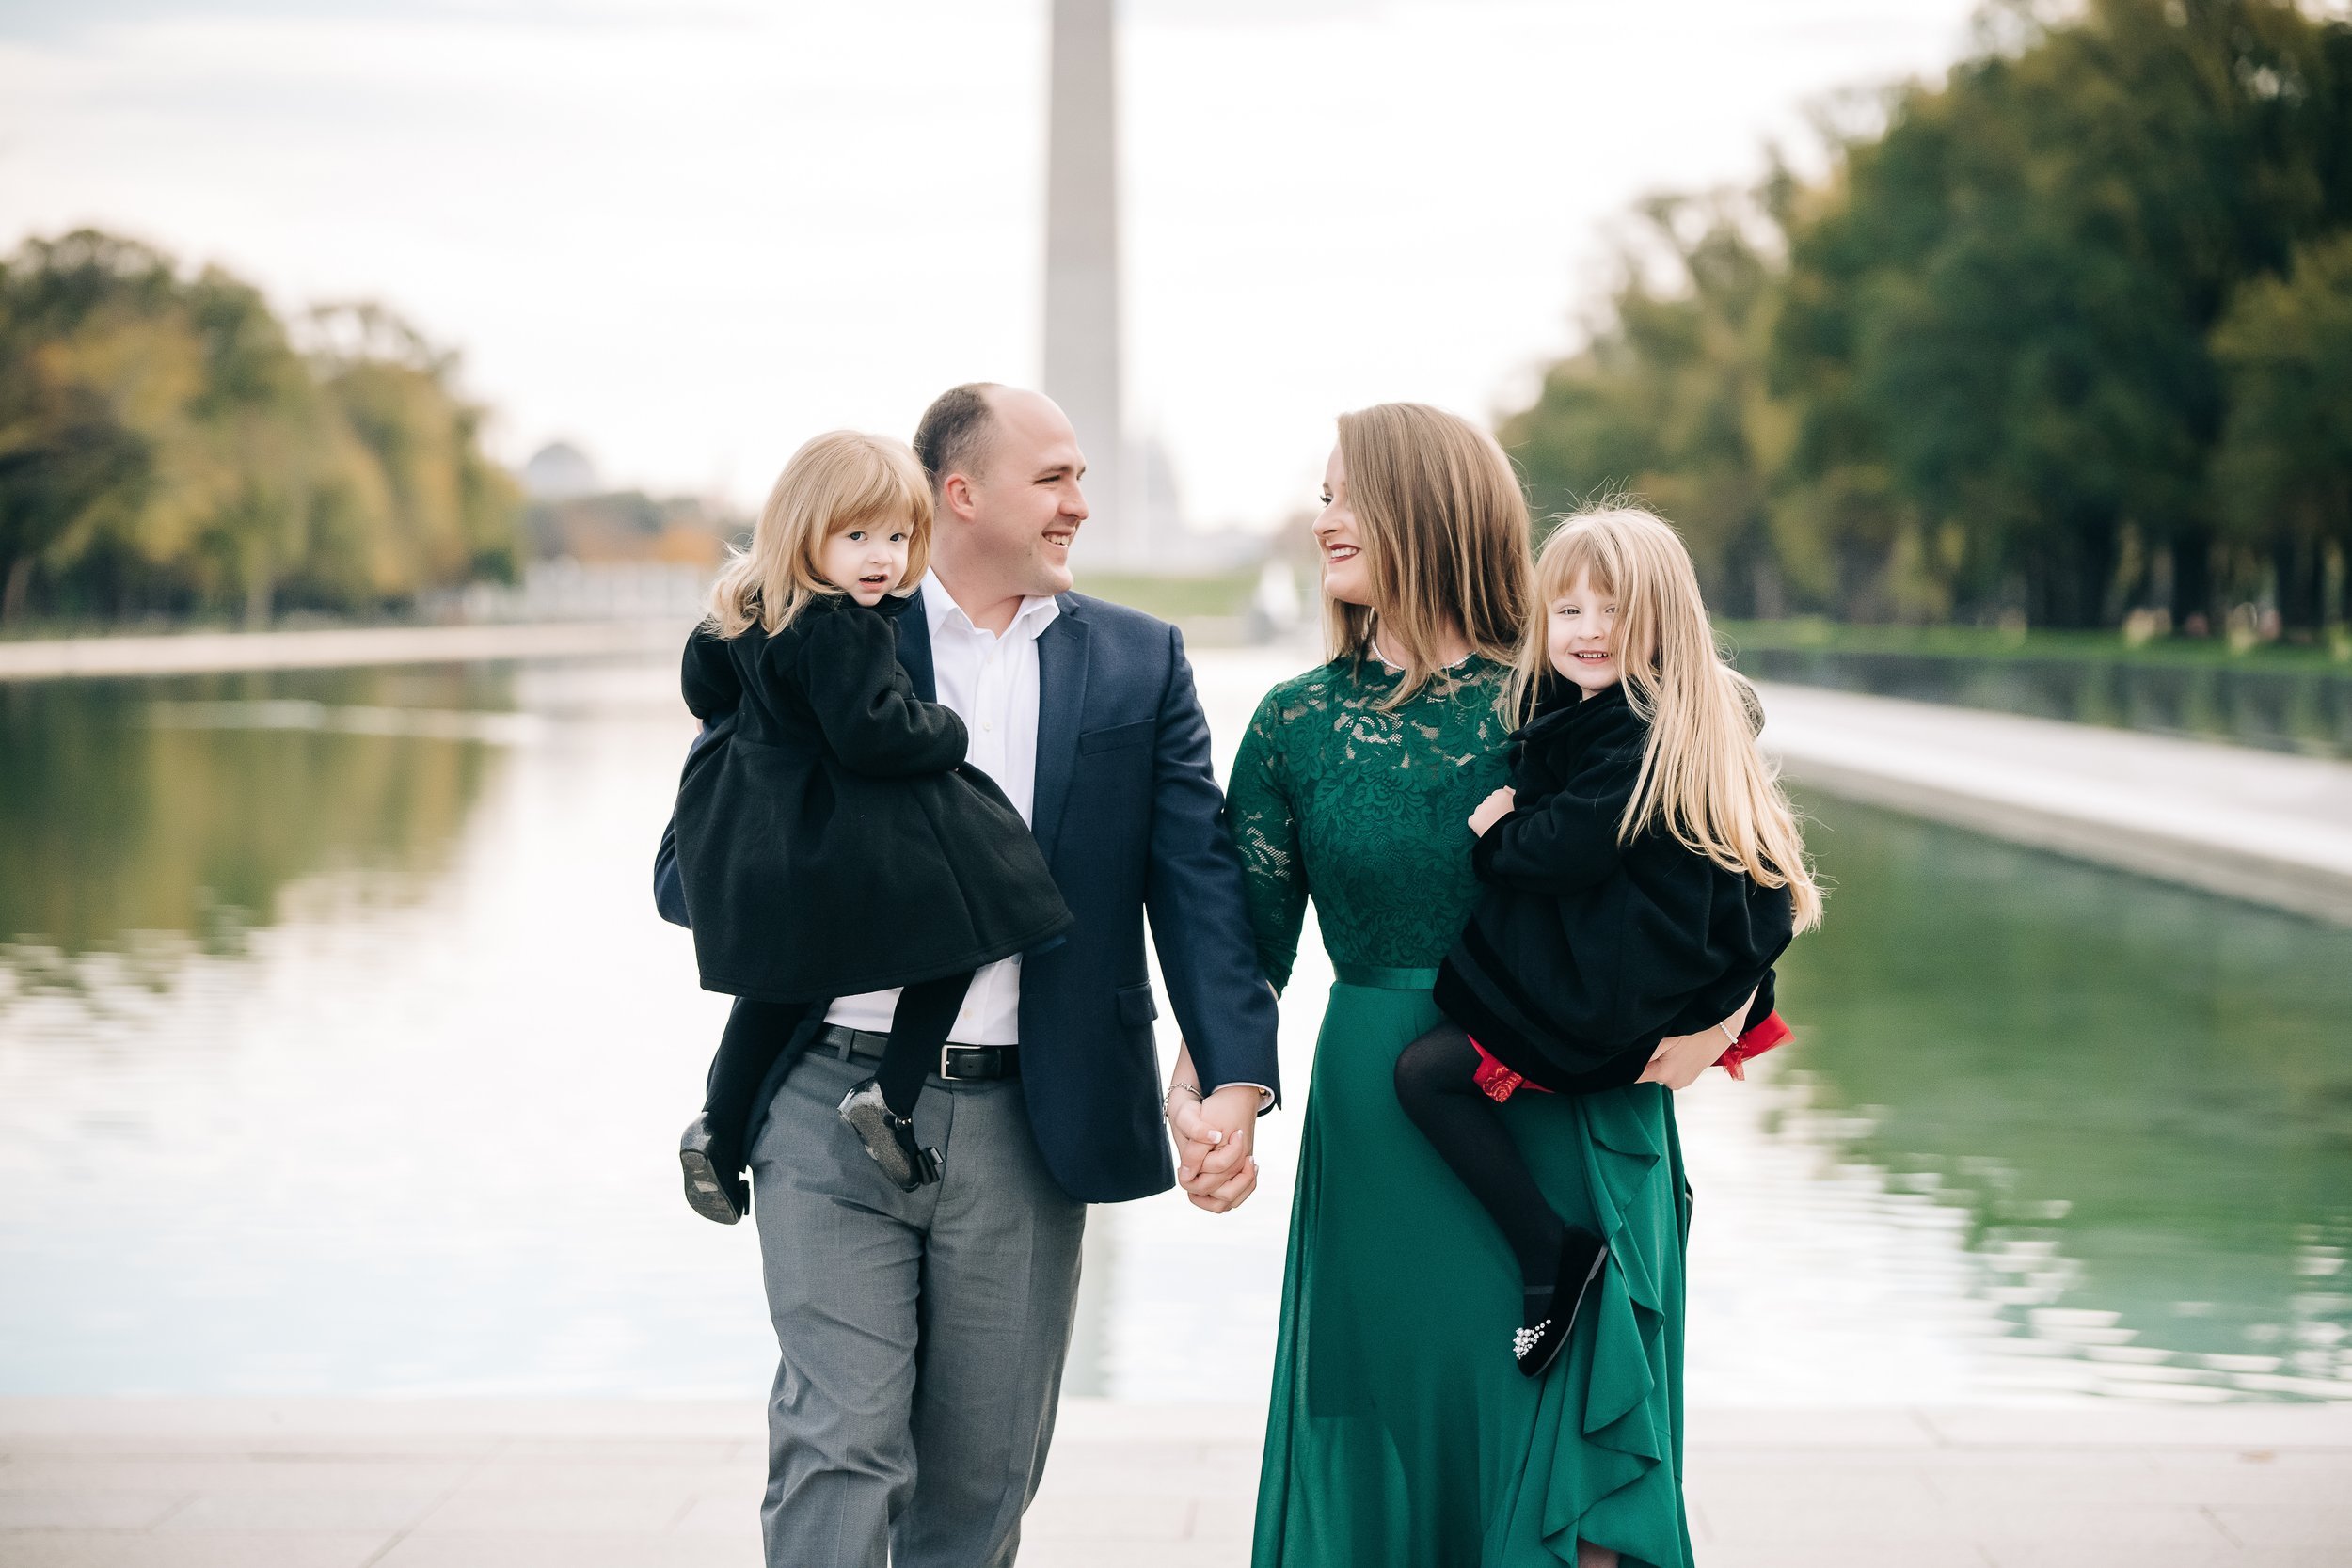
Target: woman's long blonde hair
{"x": 841, "y": 479}
{"x": 1443, "y": 528}
{"x": 1703, "y": 775}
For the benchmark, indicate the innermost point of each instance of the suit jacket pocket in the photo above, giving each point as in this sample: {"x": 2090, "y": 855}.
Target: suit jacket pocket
{"x": 1117, "y": 736}
{"x": 1137, "y": 1009}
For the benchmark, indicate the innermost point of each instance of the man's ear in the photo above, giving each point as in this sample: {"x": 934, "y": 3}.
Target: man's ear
{"x": 955, "y": 496}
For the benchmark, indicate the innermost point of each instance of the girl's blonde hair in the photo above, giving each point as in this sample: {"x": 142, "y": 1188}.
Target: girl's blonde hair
{"x": 841, "y": 479}
{"x": 1703, "y": 775}
{"x": 1443, "y": 528}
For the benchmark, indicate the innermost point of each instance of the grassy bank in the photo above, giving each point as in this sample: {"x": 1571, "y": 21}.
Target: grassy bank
{"x": 1995, "y": 643}
{"x": 1175, "y": 598}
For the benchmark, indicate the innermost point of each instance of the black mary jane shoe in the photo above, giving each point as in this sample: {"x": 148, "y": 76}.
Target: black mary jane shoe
{"x": 1536, "y": 1346}
{"x": 889, "y": 1138}
{"x": 715, "y": 1188}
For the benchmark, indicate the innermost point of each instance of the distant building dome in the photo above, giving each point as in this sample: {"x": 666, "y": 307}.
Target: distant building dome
{"x": 560, "y": 471}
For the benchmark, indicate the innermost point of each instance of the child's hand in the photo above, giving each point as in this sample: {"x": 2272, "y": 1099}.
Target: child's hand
{"x": 1492, "y": 810}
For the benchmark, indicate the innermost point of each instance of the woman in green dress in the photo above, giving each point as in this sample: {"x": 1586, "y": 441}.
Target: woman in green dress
{"x": 1401, "y": 1432}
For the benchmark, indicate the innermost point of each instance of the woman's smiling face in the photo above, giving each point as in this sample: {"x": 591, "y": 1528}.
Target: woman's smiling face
{"x": 1346, "y": 575}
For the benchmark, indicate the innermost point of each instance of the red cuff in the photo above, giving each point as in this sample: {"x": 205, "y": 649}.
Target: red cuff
{"x": 1753, "y": 1044}
{"x": 1495, "y": 1080}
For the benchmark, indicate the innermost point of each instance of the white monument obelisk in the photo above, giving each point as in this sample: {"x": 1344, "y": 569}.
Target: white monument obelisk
{"x": 1082, "y": 271}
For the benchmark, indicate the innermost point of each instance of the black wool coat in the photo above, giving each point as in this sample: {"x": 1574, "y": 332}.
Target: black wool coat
{"x": 837, "y": 841}
{"x": 1583, "y": 954}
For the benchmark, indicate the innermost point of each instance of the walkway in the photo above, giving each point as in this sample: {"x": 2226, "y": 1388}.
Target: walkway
{"x": 346, "y": 1483}
{"x": 186, "y": 652}
{"x": 2262, "y": 826}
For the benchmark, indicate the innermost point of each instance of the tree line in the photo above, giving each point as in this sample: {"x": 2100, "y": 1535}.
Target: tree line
{"x": 2067, "y": 338}
{"x": 170, "y": 446}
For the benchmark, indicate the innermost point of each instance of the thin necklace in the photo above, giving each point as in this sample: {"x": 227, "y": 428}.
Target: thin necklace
{"x": 1382, "y": 655}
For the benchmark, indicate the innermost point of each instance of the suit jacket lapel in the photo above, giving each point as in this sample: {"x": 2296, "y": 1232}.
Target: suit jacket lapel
{"x": 1061, "y": 688}
{"x": 914, "y": 647}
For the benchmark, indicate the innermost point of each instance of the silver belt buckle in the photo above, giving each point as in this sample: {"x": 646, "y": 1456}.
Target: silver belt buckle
{"x": 944, "y": 1051}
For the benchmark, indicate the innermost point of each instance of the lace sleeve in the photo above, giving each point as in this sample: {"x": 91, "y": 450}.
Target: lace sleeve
{"x": 1260, "y": 816}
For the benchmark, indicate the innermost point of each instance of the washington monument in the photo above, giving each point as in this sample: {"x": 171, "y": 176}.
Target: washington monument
{"x": 1082, "y": 329}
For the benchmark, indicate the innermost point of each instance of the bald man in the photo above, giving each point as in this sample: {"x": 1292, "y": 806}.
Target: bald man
{"x": 922, "y": 1334}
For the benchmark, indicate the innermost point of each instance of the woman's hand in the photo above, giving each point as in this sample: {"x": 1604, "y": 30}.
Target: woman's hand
{"x": 1213, "y": 1136}
{"x": 1493, "y": 809}
{"x": 1679, "y": 1061}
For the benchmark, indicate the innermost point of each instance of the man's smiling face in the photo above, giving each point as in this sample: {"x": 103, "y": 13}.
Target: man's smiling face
{"x": 1027, "y": 504}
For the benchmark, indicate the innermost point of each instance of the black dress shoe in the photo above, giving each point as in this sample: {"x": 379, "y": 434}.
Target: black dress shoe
{"x": 715, "y": 1188}
{"x": 1536, "y": 1345}
{"x": 889, "y": 1137}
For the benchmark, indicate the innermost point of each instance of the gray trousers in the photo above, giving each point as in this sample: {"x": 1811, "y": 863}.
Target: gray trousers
{"x": 922, "y": 1333}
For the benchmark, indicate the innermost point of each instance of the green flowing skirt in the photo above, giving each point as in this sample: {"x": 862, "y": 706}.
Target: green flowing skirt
{"x": 1401, "y": 1433}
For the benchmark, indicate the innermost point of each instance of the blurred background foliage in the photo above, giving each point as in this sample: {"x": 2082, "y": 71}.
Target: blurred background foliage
{"x": 2065, "y": 341}
{"x": 170, "y": 446}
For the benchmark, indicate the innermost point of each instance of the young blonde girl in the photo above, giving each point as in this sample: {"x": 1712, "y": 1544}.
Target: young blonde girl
{"x": 1640, "y": 873}
{"x": 836, "y": 841}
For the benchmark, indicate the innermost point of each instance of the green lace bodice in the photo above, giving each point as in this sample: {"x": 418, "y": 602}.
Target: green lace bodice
{"x": 1365, "y": 811}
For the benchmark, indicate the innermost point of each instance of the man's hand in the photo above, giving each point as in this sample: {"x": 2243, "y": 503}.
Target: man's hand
{"x": 1493, "y": 809}
{"x": 1214, "y": 1137}
{"x": 1679, "y": 1061}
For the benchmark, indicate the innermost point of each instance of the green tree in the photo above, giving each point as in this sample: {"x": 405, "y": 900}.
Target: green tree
{"x": 456, "y": 514}
{"x": 1998, "y": 312}
{"x": 2283, "y": 471}
{"x": 1979, "y": 370}
{"x": 164, "y": 444}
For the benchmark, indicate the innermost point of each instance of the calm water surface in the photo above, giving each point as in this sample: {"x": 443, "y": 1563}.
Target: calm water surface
{"x": 340, "y": 1052}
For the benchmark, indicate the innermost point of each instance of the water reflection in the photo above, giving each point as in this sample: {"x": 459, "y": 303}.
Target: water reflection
{"x": 2131, "y": 1100}
{"x": 147, "y": 820}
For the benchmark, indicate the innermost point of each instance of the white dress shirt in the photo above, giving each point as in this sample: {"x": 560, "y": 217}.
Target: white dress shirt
{"x": 991, "y": 682}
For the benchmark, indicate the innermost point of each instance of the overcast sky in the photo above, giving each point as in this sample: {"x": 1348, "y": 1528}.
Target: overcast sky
{"x": 689, "y": 233}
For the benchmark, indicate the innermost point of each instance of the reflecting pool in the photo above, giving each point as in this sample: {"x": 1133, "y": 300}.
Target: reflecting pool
{"x": 2306, "y": 709}
{"x": 340, "y": 1052}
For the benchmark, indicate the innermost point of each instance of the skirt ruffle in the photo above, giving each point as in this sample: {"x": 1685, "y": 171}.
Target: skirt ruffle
{"x": 1400, "y": 1431}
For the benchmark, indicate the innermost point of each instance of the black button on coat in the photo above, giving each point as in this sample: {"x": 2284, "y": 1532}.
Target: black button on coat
{"x": 837, "y": 841}
{"x": 1583, "y": 954}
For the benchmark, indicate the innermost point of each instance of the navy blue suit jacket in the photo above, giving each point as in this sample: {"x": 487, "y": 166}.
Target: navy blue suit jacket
{"x": 1129, "y": 818}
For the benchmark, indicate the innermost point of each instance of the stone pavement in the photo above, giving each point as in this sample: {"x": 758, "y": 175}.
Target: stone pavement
{"x": 184, "y": 652}
{"x": 470, "y": 1483}
{"x": 2263, "y": 826}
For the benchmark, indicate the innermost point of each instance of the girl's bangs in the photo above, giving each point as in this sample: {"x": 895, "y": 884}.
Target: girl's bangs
{"x": 883, "y": 497}
{"x": 1579, "y": 548}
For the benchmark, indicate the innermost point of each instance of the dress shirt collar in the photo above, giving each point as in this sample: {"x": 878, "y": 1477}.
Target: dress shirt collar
{"x": 939, "y": 608}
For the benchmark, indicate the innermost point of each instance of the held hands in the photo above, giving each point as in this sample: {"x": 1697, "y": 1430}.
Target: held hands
{"x": 1679, "y": 1061}
{"x": 1214, "y": 1137}
{"x": 1493, "y": 809}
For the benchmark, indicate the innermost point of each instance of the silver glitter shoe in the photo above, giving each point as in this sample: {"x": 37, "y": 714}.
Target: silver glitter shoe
{"x": 1537, "y": 1346}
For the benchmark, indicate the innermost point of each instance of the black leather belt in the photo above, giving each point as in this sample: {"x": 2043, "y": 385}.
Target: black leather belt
{"x": 957, "y": 1063}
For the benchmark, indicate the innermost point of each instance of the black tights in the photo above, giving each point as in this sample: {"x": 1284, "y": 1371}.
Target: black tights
{"x": 1436, "y": 1084}
{"x": 918, "y": 1031}
{"x": 758, "y": 1031}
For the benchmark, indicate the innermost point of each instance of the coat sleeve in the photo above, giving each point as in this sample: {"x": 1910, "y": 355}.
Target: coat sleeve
{"x": 1193, "y": 892}
{"x": 708, "y": 680}
{"x": 848, "y": 665}
{"x": 1568, "y": 842}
